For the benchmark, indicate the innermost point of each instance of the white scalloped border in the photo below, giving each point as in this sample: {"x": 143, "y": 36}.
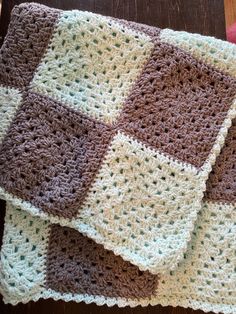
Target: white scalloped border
{"x": 173, "y": 301}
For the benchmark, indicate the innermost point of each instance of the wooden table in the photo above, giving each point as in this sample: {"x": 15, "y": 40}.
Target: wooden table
{"x": 200, "y": 16}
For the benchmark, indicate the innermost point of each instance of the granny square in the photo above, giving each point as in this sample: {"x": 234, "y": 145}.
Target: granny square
{"x": 91, "y": 63}
{"x": 50, "y": 155}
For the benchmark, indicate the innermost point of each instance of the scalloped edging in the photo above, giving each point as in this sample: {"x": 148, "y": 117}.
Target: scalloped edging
{"x": 164, "y": 301}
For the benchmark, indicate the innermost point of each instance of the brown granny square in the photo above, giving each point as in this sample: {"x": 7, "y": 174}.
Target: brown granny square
{"x": 29, "y": 32}
{"x": 51, "y": 154}
{"x": 178, "y": 105}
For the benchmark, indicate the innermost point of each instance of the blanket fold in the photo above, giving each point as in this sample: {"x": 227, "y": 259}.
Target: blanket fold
{"x": 117, "y": 162}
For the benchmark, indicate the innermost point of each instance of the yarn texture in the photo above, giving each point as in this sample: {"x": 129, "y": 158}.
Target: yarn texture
{"x": 117, "y": 162}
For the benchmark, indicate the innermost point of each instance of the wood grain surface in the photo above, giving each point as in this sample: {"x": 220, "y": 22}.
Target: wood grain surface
{"x": 200, "y": 16}
{"x": 230, "y": 12}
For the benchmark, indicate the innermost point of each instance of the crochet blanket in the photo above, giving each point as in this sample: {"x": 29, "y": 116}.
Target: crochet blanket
{"x": 109, "y": 131}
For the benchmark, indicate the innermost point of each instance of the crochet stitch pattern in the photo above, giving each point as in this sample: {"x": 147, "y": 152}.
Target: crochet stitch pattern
{"x": 39, "y": 260}
{"x": 109, "y": 131}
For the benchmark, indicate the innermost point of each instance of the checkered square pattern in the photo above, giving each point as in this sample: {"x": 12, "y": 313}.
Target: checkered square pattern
{"x": 110, "y": 130}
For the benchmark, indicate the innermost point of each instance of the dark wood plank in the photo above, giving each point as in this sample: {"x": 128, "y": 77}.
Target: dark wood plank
{"x": 193, "y": 16}
{"x": 197, "y": 16}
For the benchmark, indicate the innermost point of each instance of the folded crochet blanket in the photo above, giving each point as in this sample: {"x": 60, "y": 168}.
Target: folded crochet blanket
{"x": 43, "y": 260}
{"x": 109, "y": 131}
